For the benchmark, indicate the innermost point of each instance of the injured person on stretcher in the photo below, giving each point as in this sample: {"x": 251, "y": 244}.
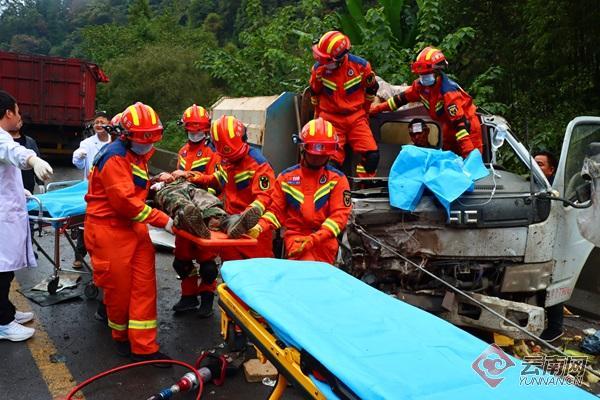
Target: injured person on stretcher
{"x": 198, "y": 211}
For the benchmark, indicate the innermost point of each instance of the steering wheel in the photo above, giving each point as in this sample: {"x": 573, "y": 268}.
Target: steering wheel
{"x": 575, "y": 181}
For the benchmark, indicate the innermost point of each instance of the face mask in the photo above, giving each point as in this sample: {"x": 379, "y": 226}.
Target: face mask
{"x": 141, "y": 148}
{"x": 427, "y": 79}
{"x": 196, "y": 137}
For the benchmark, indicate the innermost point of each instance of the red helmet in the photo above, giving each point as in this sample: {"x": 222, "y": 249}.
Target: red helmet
{"x": 141, "y": 124}
{"x": 116, "y": 120}
{"x": 196, "y": 119}
{"x": 332, "y": 47}
{"x": 429, "y": 60}
{"x": 229, "y": 137}
{"x": 319, "y": 137}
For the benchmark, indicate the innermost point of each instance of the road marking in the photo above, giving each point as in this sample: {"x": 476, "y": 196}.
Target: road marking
{"x": 57, "y": 376}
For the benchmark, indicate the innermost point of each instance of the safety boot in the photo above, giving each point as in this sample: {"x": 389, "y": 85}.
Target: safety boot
{"x": 186, "y": 303}
{"x": 206, "y": 304}
{"x": 190, "y": 219}
{"x": 237, "y": 225}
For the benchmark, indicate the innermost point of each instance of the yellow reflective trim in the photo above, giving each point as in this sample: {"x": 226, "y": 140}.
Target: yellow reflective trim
{"x": 439, "y": 105}
{"x": 461, "y": 134}
{"x": 117, "y": 327}
{"x": 258, "y": 204}
{"x": 335, "y": 39}
{"x": 311, "y": 128}
{"x": 352, "y": 82}
{"x": 152, "y": 115}
{"x": 360, "y": 169}
{"x": 200, "y": 162}
{"x": 332, "y": 226}
{"x": 425, "y": 102}
{"x": 134, "y": 115}
{"x": 142, "y": 215}
{"x": 230, "y": 127}
{"x": 329, "y": 129}
{"x": 269, "y": 216}
{"x": 188, "y": 112}
{"x": 139, "y": 172}
{"x": 392, "y": 103}
{"x": 182, "y": 162}
{"x": 242, "y": 176}
{"x": 296, "y": 194}
{"x": 149, "y": 324}
{"x": 430, "y": 53}
{"x": 211, "y": 191}
{"x": 324, "y": 190}
{"x": 331, "y": 85}
{"x": 215, "y": 132}
{"x": 201, "y": 111}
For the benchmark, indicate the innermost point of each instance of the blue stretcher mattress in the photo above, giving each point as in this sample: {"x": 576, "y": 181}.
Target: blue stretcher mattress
{"x": 67, "y": 202}
{"x": 380, "y": 347}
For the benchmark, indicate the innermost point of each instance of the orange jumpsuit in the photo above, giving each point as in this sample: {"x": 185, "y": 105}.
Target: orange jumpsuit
{"x": 343, "y": 96}
{"x": 198, "y": 157}
{"x": 244, "y": 183}
{"x": 117, "y": 239}
{"x": 307, "y": 201}
{"x": 449, "y": 104}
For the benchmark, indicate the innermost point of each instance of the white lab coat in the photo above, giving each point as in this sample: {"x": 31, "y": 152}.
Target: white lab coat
{"x": 91, "y": 146}
{"x": 16, "y": 251}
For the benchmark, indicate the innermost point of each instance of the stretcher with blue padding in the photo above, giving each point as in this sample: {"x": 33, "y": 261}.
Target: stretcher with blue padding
{"x": 62, "y": 207}
{"x": 333, "y": 336}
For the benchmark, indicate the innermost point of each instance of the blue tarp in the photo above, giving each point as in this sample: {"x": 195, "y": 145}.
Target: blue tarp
{"x": 380, "y": 347}
{"x": 67, "y": 202}
{"x": 442, "y": 172}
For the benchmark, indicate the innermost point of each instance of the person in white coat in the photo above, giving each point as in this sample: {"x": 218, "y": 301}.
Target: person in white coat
{"x": 15, "y": 241}
{"x": 83, "y": 157}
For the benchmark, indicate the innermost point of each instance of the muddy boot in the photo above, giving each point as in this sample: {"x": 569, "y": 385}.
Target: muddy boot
{"x": 206, "y": 305}
{"x": 186, "y": 303}
{"x": 237, "y": 225}
{"x": 190, "y": 219}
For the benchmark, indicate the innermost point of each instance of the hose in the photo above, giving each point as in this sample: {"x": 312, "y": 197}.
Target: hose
{"x": 135, "y": 365}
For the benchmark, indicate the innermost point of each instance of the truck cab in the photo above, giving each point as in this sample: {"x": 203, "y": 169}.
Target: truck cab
{"x": 510, "y": 243}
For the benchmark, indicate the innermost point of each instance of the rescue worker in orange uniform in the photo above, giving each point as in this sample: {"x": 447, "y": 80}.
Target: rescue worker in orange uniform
{"x": 245, "y": 179}
{"x": 311, "y": 200}
{"x": 196, "y": 156}
{"x": 445, "y": 101}
{"x": 342, "y": 88}
{"x": 116, "y": 233}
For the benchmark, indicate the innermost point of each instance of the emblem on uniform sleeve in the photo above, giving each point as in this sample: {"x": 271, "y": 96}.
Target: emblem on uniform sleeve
{"x": 350, "y": 72}
{"x": 264, "y": 183}
{"x": 199, "y": 153}
{"x": 322, "y": 179}
{"x": 452, "y": 110}
{"x": 347, "y": 198}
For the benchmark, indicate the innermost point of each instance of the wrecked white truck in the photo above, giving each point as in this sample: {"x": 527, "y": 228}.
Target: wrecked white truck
{"x": 507, "y": 243}
{"x": 511, "y": 243}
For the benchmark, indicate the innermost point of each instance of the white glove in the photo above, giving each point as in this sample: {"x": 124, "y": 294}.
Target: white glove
{"x": 157, "y": 186}
{"x": 42, "y": 169}
{"x": 169, "y": 226}
{"x": 42, "y": 189}
{"x": 27, "y": 193}
{"x": 80, "y": 153}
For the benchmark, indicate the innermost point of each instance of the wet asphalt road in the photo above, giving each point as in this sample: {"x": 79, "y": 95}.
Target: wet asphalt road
{"x": 36, "y": 369}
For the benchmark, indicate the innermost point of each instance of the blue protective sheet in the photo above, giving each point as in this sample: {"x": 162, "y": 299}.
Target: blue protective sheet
{"x": 67, "y": 202}
{"x": 378, "y": 346}
{"x": 442, "y": 172}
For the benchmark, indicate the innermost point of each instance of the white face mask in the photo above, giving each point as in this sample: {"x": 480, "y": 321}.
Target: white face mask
{"x": 141, "y": 148}
{"x": 196, "y": 137}
{"x": 427, "y": 79}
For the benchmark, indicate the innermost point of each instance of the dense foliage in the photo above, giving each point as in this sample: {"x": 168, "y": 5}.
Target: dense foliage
{"x": 537, "y": 62}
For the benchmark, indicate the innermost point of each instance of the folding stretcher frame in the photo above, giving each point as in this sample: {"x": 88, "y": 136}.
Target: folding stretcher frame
{"x": 286, "y": 359}
{"x": 61, "y": 225}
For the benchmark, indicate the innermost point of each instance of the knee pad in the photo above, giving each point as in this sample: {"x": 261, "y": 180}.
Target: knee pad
{"x": 208, "y": 271}
{"x": 183, "y": 268}
{"x": 370, "y": 160}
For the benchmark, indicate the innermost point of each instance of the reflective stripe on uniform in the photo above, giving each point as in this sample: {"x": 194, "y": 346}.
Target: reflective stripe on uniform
{"x": 139, "y": 172}
{"x": 461, "y": 134}
{"x": 325, "y": 190}
{"x": 142, "y": 215}
{"x": 294, "y": 193}
{"x": 392, "y": 103}
{"x": 149, "y": 324}
{"x": 117, "y": 327}
{"x": 182, "y": 162}
{"x": 332, "y": 226}
{"x": 202, "y": 161}
{"x": 242, "y": 176}
{"x": 352, "y": 82}
{"x": 258, "y": 204}
{"x": 269, "y": 216}
{"x": 360, "y": 169}
{"x": 329, "y": 84}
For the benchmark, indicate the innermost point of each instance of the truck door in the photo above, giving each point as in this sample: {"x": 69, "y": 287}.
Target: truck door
{"x": 571, "y": 249}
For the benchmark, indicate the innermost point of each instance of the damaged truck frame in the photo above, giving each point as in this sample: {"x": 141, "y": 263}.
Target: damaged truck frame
{"x": 513, "y": 243}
